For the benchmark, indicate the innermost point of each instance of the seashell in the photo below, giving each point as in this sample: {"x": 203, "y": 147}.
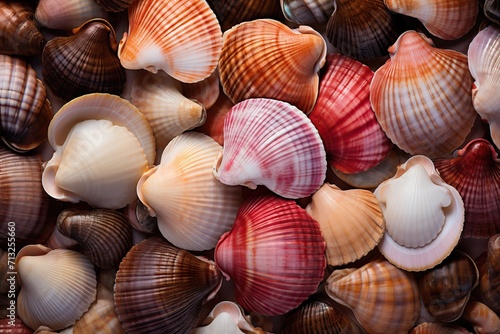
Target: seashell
{"x": 83, "y": 63}
{"x": 446, "y": 19}
{"x": 153, "y": 41}
{"x": 19, "y": 34}
{"x": 353, "y": 138}
{"x": 4, "y": 272}
{"x": 57, "y": 286}
{"x": 474, "y": 172}
{"x": 102, "y": 145}
{"x": 255, "y": 55}
{"x": 490, "y": 280}
{"x": 484, "y": 320}
{"x": 383, "y": 298}
{"x": 205, "y": 92}
{"x": 25, "y": 112}
{"x": 271, "y": 143}
{"x": 193, "y": 208}
{"x": 269, "y": 234}
{"x": 140, "y": 219}
{"x": 484, "y": 64}
{"x": 67, "y": 14}
{"x": 421, "y": 110}
{"x": 446, "y": 288}
{"x": 424, "y": 216}
{"x": 491, "y": 10}
{"x": 307, "y": 12}
{"x": 159, "y": 97}
{"x": 160, "y": 288}
{"x": 214, "y": 124}
{"x": 105, "y": 236}
{"x": 362, "y": 29}
{"x": 437, "y": 328}
{"x": 114, "y": 6}
{"x": 351, "y": 222}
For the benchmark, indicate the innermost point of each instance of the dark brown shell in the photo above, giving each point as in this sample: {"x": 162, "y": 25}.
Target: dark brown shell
{"x": 490, "y": 280}
{"x": 492, "y": 10}
{"x": 114, "y": 5}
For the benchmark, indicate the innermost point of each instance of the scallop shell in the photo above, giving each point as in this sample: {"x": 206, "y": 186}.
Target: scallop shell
{"x": 271, "y": 143}
{"x": 57, "y": 286}
{"x": 67, "y": 14}
{"x": 484, "y": 64}
{"x": 475, "y": 173}
{"x": 353, "y": 138}
{"x": 490, "y": 280}
{"x": 266, "y": 59}
{"x": 114, "y": 5}
{"x": 446, "y": 19}
{"x": 362, "y": 29}
{"x": 351, "y": 222}
{"x": 274, "y": 253}
{"x": 420, "y": 108}
{"x": 491, "y": 10}
{"x": 160, "y": 288}
{"x": 424, "y": 216}
{"x": 193, "y": 208}
{"x": 383, "y": 298}
{"x": 185, "y": 40}
{"x": 307, "y": 12}
{"x": 484, "y": 320}
{"x": 83, "y": 63}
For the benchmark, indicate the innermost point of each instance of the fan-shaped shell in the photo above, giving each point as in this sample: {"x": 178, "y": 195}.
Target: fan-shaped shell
{"x": 307, "y": 12}
{"x": 422, "y": 98}
{"x": 193, "y": 208}
{"x": 67, "y": 14}
{"x": 160, "y": 288}
{"x": 351, "y": 222}
{"x": 353, "y": 138}
{"x": 272, "y": 143}
{"x": 424, "y": 216}
{"x": 266, "y": 59}
{"x": 182, "y": 38}
{"x": 383, "y": 298}
{"x": 274, "y": 253}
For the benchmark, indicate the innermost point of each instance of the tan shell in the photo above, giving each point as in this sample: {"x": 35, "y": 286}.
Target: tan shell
{"x": 67, "y": 14}
{"x": 484, "y": 319}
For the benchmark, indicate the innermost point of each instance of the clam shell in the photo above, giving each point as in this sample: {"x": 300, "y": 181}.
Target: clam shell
{"x": 268, "y": 236}
{"x": 67, "y": 14}
{"x": 383, "y": 298}
{"x": 266, "y": 59}
{"x": 446, "y": 19}
{"x": 490, "y": 280}
{"x": 271, "y": 143}
{"x": 351, "y": 222}
{"x": 193, "y": 209}
{"x": 160, "y": 288}
{"x": 184, "y": 41}
{"x": 353, "y": 138}
{"x": 307, "y": 12}
{"x": 475, "y": 173}
{"x": 424, "y": 216}
{"x": 425, "y": 108}
{"x": 484, "y": 320}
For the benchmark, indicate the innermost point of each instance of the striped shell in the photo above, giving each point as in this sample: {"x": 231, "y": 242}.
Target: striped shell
{"x": 67, "y": 14}
{"x": 307, "y": 11}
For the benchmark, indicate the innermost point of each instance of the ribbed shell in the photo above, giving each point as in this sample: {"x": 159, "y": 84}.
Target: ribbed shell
{"x": 383, "y": 298}
{"x": 491, "y": 10}
{"x": 307, "y": 12}
{"x": 490, "y": 280}
{"x": 351, "y": 222}
{"x": 446, "y": 19}
{"x": 362, "y": 29}
{"x": 160, "y": 288}
{"x": 271, "y": 143}
{"x": 422, "y": 97}
{"x": 85, "y": 62}
{"x": 193, "y": 208}
{"x": 67, "y": 14}
{"x": 353, "y": 138}
{"x": 182, "y": 38}
{"x": 114, "y": 5}
{"x": 274, "y": 254}
{"x": 475, "y": 173}
{"x": 265, "y": 58}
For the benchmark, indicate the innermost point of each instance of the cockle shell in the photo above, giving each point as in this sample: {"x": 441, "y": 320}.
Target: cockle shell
{"x": 491, "y": 10}
{"x": 475, "y": 173}
{"x": 424, "y": 216}
{"x": 383, "y": 298}
{"x": 67, "y": 14}
{"x": 266, "y": 59}
{"x": 274, "y": 253}
{"x": 484, "y": 64}
{"x": 351, "y": 222}
{"x": 353, "y": 138}
{"x": 57, "y": 286}
{"x": 25, "y": 111}
{"x": 271, "y": 143}
{"x": 490, "y": 280}
{"x": 160, "y": 288}
{"x": 446, "y": 19}
{"x": 114, "y": 5}
{"x": 83, "y": 63}
{"x": 307, "y": 12}
{"x": 484, "y": 320}
{"x": 422, "y": 98}
{"x": 103, "y": 145}
{"x": 185, "y": 40}
{"x": 193, "y": 208}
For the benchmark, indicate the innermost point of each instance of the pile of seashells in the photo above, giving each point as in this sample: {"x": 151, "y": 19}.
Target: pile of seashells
{"x": 260, "y": 166}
